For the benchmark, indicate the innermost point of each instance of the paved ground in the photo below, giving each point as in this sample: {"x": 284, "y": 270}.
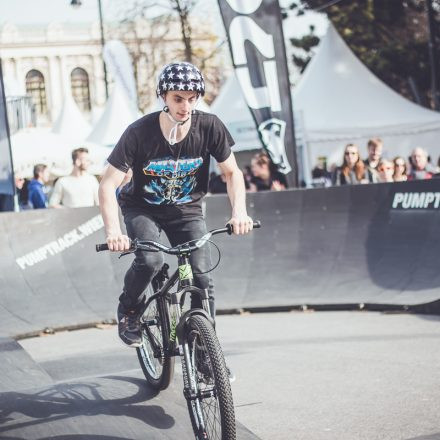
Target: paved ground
{"x": 311, "y": 376}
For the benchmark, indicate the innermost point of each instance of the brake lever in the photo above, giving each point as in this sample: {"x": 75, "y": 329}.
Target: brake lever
{"x": 125, "y": 253}
{"x": 133, "y": 247}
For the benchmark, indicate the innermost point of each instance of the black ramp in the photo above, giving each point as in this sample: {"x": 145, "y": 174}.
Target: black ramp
{"x": 18, "y": 371}
{"x": 61, "y": 286}
{"x": 104, "y": 408}
{"x": 322, "y": 246}
{"x": 333, "y": 246}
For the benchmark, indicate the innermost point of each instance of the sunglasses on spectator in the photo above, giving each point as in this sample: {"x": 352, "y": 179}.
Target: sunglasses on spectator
{"x": 350, "y": 153}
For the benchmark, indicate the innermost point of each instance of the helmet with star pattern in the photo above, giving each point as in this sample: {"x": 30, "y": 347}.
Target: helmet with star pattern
{"x": 180, "y": 76}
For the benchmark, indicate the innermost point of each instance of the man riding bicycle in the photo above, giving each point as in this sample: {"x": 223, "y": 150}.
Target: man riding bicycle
{"x": 169, "y": 153}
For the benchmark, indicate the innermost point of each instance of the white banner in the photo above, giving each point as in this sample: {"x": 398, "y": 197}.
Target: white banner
{"x": 120, "y": 66}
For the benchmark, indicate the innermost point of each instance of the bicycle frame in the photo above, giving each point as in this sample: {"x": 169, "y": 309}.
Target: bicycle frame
{"x": 162, "y": 284}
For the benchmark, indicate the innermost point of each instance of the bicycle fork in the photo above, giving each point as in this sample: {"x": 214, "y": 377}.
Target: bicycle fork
{"x": 177, "y": 331}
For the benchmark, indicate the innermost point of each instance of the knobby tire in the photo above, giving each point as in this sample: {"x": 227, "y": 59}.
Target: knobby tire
{"x": 211, "y": 373}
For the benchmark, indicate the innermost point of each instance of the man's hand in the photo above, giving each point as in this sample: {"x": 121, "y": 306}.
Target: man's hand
{"x": 118, "y": 242}
{"x": 241, "y": 225}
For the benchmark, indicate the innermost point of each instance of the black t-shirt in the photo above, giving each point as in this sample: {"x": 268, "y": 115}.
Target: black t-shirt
{"x": 169, "y": 177}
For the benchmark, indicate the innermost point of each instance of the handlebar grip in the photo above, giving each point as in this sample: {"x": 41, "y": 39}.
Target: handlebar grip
{"x": 101, "y": 247}
{"x": 257, "y": 224}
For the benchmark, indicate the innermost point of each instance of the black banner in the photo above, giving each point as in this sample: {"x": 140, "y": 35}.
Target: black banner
{"x": 256, "y": 41}
{"x": 6, "y": 173}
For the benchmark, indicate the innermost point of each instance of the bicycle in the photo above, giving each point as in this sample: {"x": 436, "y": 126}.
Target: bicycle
{"x": 168, "y": 332}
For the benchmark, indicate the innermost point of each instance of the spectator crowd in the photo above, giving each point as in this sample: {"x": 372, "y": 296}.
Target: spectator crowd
{"x": 80, "y": 189}
{"x": 375, "y": 168}
{"x": 77, "y": 190}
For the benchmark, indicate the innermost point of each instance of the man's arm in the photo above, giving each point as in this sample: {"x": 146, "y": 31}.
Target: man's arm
{"x": 240, "y": 221}
{"x": 108, "y": 205}
{"x": 57, "y": 195}
{"x": 95, "y": 191}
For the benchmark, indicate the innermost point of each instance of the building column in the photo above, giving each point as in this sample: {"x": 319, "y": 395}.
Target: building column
{"x": 56, "y": 95}
{"x": 98, "y": 82}
{"x": 19, "y": 74}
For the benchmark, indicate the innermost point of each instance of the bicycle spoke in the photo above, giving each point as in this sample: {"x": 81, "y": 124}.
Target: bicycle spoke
{"x": 156, "y": 365}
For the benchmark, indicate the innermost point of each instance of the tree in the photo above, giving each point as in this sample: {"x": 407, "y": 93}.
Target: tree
{"x": 389, "y": 37}
{"x": 159, "y": 31}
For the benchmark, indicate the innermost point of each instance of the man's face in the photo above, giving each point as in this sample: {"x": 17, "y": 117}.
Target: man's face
{"x": 82, "y": 161}
{"x": 419, "y": 159}
{"x": 19, "y": 182}
{"x": 181, "y": 104}
{"x": 45, "y": 175}
{"x": 374, "y": 152}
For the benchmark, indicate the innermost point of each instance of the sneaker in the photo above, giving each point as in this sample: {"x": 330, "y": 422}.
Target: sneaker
{"x": 129, "y": 327}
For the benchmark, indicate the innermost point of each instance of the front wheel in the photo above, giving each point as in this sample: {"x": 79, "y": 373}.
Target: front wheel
{"x": 210, "y": 405}
{"x": 156, "y": 364}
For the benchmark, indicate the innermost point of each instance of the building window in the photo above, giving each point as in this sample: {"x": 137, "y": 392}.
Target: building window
{"x": 80, "y": 88}
{"x": 36, "y": 88}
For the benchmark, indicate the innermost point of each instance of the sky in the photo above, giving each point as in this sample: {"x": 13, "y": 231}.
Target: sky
{"x": 46, "y": 11}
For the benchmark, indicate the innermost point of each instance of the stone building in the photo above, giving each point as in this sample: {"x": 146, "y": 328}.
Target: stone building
{"x": 48, "y": 61}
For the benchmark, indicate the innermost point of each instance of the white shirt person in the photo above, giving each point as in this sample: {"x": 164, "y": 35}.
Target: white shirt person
{"x": 79, "y": 189}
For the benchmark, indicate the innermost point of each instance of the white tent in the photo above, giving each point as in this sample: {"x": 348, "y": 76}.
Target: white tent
{"x": 70, "y": 121}
{"x": 116, "y": 117}
{"x": 340, "y": 101}
{"x": 34, "y": 145}
{"x": 337, "y": 101}
{"x": 231, "y": 108}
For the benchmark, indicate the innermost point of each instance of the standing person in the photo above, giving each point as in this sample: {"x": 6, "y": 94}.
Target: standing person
{"x": 264, "y": 176}
{"x": 21, "y": 188}
{"x": 169, "y": 152}
{"x": 385, "y": 170}
{"x": 79, "y": 189}
{"x": 419, "y": 165}
{"x": 353, "y": 169}
{"x": 375, "y": 149}
{"x": 400, "y": 169}
{"x": 37, "y": 194}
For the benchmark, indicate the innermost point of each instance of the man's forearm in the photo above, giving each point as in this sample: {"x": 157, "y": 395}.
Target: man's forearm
{"x": 109, "y": 210}
{"x": 236, "y": 192}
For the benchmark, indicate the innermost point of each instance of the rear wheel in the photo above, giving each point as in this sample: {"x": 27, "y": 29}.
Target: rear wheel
{"x": 211, "y": 409}
{"x": 157, "y": 367}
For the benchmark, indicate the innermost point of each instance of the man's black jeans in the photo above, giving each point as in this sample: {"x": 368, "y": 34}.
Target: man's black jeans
{"x": 147, "y": 264}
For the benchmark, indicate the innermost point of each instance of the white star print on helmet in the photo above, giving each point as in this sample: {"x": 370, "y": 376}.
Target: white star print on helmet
{"x": 180, "y": 76}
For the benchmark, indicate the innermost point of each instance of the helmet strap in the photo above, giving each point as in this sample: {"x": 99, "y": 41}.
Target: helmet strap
{"x": 172, "y": 138}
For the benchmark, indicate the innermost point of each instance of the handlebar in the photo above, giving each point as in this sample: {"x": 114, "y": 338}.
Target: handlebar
{"x": 152, "y": 246}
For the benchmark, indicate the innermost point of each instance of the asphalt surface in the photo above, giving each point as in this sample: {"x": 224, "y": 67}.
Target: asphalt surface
{"x": 327, "y": 375}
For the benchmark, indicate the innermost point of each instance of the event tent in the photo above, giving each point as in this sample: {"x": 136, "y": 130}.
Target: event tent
{"x": 341, "y": 101}
{"x": 35, "y": 145}
{"x": 118, "y": 114}
{"x": 70, "y": 122}
{"x": 231, "y": 108}
{"x": 337, "y": 101}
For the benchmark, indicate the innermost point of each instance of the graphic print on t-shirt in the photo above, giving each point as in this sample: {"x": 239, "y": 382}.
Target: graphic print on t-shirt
{"x": 171, "y": 181}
